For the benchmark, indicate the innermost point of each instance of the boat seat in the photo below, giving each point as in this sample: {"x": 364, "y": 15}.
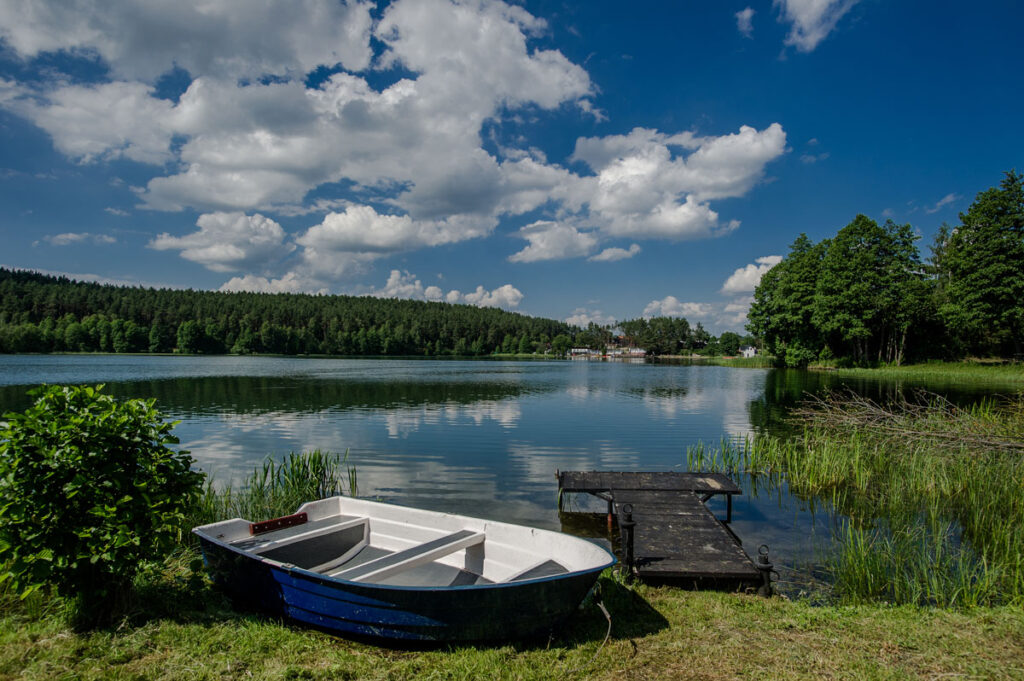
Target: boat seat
{"x": 258, "y": 542}
{"x": 544, "y": 568}
{"x": 399, "y": 561}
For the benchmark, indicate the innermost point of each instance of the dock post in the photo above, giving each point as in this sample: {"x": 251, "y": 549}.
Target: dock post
{"x": 627, "y": 524}
{"x": 611, "y": 515}
{"x": 765, "y": 567}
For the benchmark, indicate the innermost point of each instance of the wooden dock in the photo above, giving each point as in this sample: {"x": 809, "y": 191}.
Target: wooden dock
{"x": 676, "y": 538}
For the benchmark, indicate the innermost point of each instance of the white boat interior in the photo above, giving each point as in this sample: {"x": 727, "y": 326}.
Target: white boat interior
{"x": 370, "y": 542}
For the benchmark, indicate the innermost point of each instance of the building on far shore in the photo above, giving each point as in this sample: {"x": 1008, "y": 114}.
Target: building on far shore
{"x": 748, "y": 351}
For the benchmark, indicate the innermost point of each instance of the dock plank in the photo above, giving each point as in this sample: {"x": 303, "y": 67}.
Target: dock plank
{"x": 600, "y": 481}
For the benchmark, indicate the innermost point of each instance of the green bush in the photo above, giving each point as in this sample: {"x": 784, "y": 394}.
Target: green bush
{"x": 89, "y": 491}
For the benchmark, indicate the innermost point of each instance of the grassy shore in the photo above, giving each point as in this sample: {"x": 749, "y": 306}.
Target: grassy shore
{"x": 968, "y": 371}
{"x": 657, "y": 633}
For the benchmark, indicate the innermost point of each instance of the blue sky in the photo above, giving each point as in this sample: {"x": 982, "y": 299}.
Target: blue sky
{"x": 582, "y": 161}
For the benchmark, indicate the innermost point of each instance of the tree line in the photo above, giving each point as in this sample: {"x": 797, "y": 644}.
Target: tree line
{"x": 41, "y": 313}
{"x": 866, "y": 296}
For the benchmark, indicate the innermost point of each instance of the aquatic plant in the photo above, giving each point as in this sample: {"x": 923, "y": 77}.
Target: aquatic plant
{"x": 277, "y": 488}
{"x": 931, "y": 491}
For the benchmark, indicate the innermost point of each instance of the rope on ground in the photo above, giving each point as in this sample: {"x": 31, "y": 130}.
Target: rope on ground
{"x": 607, "y": 635}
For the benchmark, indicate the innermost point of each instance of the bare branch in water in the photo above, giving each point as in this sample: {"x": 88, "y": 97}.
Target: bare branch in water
{"x": 926, "y": 417}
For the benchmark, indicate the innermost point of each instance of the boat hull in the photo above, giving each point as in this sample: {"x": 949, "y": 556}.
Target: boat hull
{"x": 471, "y": 613}
{"x": 362, "y": 568}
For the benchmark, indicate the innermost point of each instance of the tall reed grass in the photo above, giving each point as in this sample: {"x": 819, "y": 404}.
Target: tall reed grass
{"x": 933, "y": 493}
{"x": 277, "y": 488}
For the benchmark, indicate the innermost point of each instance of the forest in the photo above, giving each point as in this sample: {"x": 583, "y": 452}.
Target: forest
{"x": 866, "y": 297}
{"x": 40, "y": 313}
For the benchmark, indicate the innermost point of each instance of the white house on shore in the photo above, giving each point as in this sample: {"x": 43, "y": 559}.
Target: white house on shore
{"x": 748, "y": 351}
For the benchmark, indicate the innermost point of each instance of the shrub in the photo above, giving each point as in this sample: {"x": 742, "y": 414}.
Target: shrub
{"x": 89, "y": 491}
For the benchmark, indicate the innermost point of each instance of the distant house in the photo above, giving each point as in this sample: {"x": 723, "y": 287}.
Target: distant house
{"x": 748, "y": 351}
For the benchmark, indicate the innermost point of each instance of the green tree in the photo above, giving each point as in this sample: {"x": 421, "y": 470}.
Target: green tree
{"x": 784, "y": 302}
{"x": 190, "y": 337}
{"x": 560, "y": 345}
{"x": 729, "y": 343}
{"x": 89, "y": 490}
{"x": 982, "y": 271}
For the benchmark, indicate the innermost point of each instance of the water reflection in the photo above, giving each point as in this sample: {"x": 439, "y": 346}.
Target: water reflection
{"x": 483, "y": 437}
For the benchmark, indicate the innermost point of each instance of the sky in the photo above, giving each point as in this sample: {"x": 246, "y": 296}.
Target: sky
{"x": 583, "y": 161}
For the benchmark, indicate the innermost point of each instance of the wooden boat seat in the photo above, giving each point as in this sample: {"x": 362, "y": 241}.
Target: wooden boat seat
{"x": 399, "y": 561}
{"x": 260, "y": 542}
{"x": 544, "y": 568}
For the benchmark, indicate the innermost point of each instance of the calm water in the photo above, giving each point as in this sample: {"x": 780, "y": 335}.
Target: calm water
{"x": 476, "y": 437}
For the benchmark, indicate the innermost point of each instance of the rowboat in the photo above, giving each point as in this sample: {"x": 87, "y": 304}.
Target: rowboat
{"x": 370, "y": 569}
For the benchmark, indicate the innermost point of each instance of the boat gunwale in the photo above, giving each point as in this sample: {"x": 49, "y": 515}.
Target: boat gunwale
{"x": 328, "y": 580}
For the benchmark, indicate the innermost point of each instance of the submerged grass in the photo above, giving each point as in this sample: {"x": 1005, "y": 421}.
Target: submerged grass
{"x": 933, "y": 493}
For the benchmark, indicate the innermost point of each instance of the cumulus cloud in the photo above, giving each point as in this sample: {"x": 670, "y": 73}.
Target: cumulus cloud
{"x": 646, "y": 185}
{"x": 942, "y": 203}
{"x": 229, "y": 242}
{"x": 748, "y": 277}
{"x": 144, "y": 40}
{"x": 811, "y": 20}
{"x": 405, "y": 285}
{"x": 670, "y": 306}
{"x": 733, "y": 315}
{"x": 289, "y": 283}
{"x": 552, "y": 240}
{"x": 745, "y": 22}
{"x": 69, "y": 238}
{"x": 582, "y": 317}
{"x": 613, "y": 254}
{"x": 116, "y": 211}
{"x": 248, "y": 134}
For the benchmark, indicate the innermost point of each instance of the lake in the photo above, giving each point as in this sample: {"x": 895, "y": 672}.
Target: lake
{"x": 478, "y": 437}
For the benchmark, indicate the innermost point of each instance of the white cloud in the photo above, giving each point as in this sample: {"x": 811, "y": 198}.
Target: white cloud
{"x": 289, "y": 283}
{"x": 582, "y": 317}
{"x": 552, "y": 240}
{"x": 104, "y": 122}
{"x": 748, "y": 277}
{"x": 745, "y": 21}
{"x": 227, "y": 242}
{"x": 814, "y": 158}
{"x": 405, "y": 285}
{"x": 236, "y": 142}
{"x": 68, "y": 238}
{"x": 734, "y": 315}
{"x": 646, "y": 187}
{"x": 670, "y": 306}
{"x": 613, "y": 254}
{"x": 811, "y": 20}
{"x": 507, "y": 296}
{"x": 116, "y": 211}
{"x": 942, "y": 203}
{"x": 144, "y": 40}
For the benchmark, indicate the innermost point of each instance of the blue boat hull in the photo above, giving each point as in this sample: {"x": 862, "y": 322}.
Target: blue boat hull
{"x": 486, "y": 612}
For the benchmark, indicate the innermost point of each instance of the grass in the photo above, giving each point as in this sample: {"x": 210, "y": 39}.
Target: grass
{"x": 932, "y": 492}
{"x": 657, "y": 633}
{"x": 277, "y": 488}
{"x": 965, "y": 372}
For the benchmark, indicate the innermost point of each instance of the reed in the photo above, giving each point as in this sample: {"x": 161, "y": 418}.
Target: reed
{"x": 931, "y": 491}
{"x": 277, "y": 488}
